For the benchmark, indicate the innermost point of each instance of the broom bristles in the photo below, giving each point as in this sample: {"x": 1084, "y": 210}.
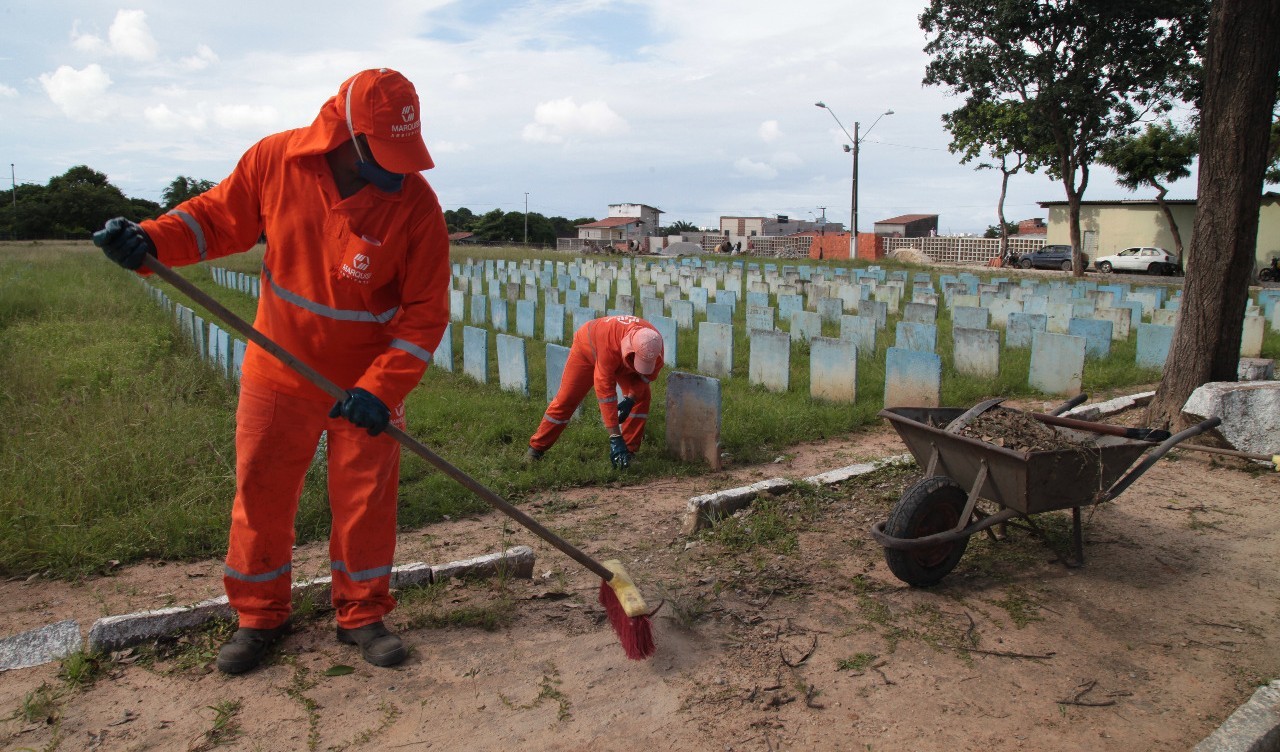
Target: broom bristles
{"x": 627, "y": 613}
{"x": 634, "y": 632}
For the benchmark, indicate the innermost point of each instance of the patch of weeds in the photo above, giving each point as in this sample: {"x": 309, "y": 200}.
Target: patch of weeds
{"x": 1195, "y": 522}
{"x": 191, "y": 650}
{"x": 1021, "y": 608}
{"x": 299, "y": 685}
{"x": 548, "y": 689}
{"x": 225, "y": 728}
{"x": 762, "y": 525}
{"x": 40, "y": 705}
{"x": 857, "y": 662}
{"x": 687, "y": 611}
{"x": 390, "y": 712}
{"x": 426, "y": 609}
{"x": 80, "y": 669}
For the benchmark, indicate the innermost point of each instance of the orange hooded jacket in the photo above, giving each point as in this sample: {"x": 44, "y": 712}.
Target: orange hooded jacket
{"x": 356, "y": 287}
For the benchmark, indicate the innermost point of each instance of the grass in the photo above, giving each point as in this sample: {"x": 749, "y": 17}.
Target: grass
{"x": 119, "y": 443}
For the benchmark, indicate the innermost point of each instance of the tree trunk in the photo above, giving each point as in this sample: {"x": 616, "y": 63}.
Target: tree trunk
{"x": 1073, "y": 224}
{"x": 1241, "y": 63}
{"x": 1004, "y": 228}
{"x": 1168, "y": 217}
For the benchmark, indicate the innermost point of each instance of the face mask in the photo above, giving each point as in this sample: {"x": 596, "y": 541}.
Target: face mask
{"x": 382, "y": 179}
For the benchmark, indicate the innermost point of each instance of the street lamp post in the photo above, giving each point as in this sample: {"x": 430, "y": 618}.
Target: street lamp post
{"x": 13, "y": 177}
{"x": 526, "y": 218}
{"x": 854, "y": 142}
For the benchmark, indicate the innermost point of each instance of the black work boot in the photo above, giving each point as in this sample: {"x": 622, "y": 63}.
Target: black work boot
{"x": 377, "y": 644}
{"x": 246, "y": 647}
{"x": 532, "y": 456}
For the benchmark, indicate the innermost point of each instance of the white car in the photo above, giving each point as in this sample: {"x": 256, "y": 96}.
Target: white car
{"x": 1151, "y": 260}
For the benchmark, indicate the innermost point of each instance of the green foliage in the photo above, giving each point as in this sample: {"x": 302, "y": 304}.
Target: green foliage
{"x": 993, "y": 231}
{"x": 1079, "y": 74}
{"x": 72, "y": 204}
{"x": 183, "y": 188}
{"x": 678, "y": 227}
{"x": 498, "y": 226}
{"x": 1160, "y": 154}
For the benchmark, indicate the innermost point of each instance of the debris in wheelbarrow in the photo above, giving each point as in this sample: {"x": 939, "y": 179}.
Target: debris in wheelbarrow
{"x": 929, "y": 528}
{"x": 1019, "y": 431}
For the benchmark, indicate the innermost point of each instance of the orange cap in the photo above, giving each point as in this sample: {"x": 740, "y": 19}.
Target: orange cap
{"x": 383, "y": 105}
{"x": 645, "y": 345}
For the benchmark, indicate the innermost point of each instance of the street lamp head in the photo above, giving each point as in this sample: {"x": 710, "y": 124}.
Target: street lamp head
{"x": 848, "y": 147}
{"x": 820, "y": 104}
{"x": 888, "y": 112}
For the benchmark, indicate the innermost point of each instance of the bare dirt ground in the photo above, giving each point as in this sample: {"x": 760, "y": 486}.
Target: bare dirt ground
{"x": 1173, "y": 622}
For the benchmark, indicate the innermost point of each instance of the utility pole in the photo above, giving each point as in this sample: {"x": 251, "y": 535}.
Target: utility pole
{"x": 526, "y": 218}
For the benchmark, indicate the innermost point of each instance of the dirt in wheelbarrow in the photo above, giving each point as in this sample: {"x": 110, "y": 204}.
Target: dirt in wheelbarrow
{"x": 1019, "y": 431}
{"x": 782, "y": 628}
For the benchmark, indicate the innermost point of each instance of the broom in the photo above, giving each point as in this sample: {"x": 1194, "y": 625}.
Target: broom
{"x": 618, "y": 593}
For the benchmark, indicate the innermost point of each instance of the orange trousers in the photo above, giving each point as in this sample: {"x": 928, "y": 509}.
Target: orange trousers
{"x": 577, "y": 380}
{"x": 276, "y": 439}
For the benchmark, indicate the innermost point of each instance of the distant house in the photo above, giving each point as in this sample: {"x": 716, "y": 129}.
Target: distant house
{"x": 463, "y": 238}
{"x": 781, "y": 224}
{"x": 908, "y": 226}
{"x": 1034, "y": 226}
{"x": 1109, "y": 227}
{"x": 626, "y": 222}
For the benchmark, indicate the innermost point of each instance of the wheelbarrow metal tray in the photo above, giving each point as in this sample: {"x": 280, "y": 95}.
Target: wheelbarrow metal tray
{"x": 1028, "y": 482}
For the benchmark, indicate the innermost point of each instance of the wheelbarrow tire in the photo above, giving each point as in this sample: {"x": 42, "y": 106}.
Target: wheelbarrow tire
{"x": 933, "y": 505}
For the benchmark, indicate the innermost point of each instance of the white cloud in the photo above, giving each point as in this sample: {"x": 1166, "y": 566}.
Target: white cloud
{"x": 460, "y": 81}
{"x": 8, "y": 91}
{"x": 256, "y": 117}
{"x": 164, "y": 118}
{"x": 446, "y": 147}
{"x": 557, "y": 120}
{"x": 131, "y": 37}
{"x": 769, "y": 131}
{"x": 204, "y": 57}
{"x": 786, "y": 160}
{"x": 79, "y": 93}
{"x": 753, "y": 169}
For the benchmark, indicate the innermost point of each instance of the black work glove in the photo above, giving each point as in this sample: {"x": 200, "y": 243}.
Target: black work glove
{"x": 624, "y": 407}
{"x": 618, "y": 453}
{"x": 363, "y": 409}
{"x": 124, "y": 242}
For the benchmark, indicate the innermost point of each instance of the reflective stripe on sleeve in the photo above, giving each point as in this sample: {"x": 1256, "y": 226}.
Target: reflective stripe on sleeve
{"x": 196, "y": 230}
{"x": 418, "y": 352}
{"x": 264, "y": 577}
{"x": 320, "y": 309}
{"x": 362, "y": 575}
{"x": 637, "y": 416}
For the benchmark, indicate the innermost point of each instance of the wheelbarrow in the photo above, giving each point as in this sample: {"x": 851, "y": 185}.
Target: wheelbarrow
{"x": 930, "y": 526}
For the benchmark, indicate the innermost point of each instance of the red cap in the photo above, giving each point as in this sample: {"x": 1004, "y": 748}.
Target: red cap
{"x": 383, "y": 105}
{"x": 646, "y": 345}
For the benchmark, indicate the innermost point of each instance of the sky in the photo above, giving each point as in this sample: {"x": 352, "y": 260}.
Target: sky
{"x": 701, "y": 109}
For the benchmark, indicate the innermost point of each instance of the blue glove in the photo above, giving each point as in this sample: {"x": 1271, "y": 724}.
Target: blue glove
{"x": 124, "y": 242}
{"x": 618, "y": 454}
{"x": 624, "y": 407}
{"x": 363, "y": 409}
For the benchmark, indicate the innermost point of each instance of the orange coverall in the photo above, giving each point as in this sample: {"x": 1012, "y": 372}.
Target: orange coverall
{"x": 596, "y": 358}
{"x": 356, "y": 287}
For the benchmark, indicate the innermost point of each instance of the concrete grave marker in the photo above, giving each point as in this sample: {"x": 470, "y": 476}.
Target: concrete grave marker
{"x": 860, "y": 330}
{"x": 1022, "y": 328}
{"x": 443, "y": 356}
{"x": 475, "y": 353}
{"x": 1153, "y": 345}
{"x": 1096, "y": 333}
{"x": 1057, "y": 363}
{"x": 912, "y": 378}
{"x": 805, "y": 325}
{"x": 668, "y": 328}
{"x": 769, "y": 362}
{"x": 977, "y": 351}
{"x": 920, "y": 337}
{"x": 715, "y": 349}
{"x": 693, "y": 418}
{"x": 833, "y": 369}
{"x": 513, "y": 365}
{"x": 968, "y": 317}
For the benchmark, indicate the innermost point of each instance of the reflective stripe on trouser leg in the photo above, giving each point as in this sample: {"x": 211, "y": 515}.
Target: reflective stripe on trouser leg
{"x": 633, "y": 426}
{"x": 276, "y": 436}
{"x": 578, "y": 379}
{"x": 364, "y": 475}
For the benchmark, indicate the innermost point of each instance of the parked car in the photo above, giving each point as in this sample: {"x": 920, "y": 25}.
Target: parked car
{"x": 1140, "y": 259}
{"x": 1049, "y": 257}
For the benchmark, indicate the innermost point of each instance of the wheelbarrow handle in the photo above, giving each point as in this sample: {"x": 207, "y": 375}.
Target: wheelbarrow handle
{"x": 1146, "y": 463}
{"x": 1065, "y": 406}
{"x": 1142, "y": 434}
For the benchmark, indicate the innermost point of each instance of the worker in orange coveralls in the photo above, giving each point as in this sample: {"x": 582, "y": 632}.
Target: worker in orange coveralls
{"x": 612, "y": 352}
{"x": 355, "y": 283}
